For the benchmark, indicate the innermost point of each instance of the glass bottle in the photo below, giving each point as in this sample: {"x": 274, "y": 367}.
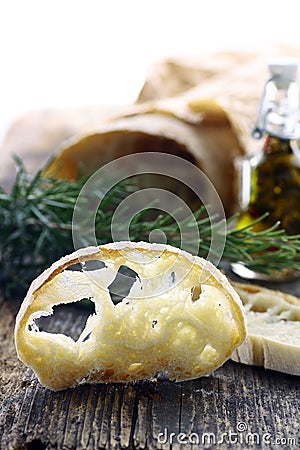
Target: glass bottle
{"x": 270, "y": 179}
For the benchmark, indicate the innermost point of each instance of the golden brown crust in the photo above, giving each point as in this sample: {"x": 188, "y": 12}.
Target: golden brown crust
{"x": 255, "y": 289}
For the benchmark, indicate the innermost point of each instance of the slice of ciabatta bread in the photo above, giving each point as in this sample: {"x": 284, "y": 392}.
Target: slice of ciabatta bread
{"x": 181, "y": 318}
{"x": 273, "y": 322}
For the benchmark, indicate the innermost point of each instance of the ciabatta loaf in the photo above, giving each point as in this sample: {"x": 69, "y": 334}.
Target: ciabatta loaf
{"x": 181, "y": 318}
{"x": 273, "y": 321}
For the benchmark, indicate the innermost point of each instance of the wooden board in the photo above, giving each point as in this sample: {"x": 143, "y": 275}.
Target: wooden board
{"x": 236, "y": 407}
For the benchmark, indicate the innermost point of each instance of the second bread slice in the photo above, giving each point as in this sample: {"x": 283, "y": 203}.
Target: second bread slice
{"x": 273, "y": 320}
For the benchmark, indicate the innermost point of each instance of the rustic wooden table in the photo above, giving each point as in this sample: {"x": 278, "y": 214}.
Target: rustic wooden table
{"x": 237, "y": 406}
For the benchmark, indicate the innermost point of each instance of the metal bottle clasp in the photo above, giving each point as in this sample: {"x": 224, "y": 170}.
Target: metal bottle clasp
{"x": 259, "y": 127}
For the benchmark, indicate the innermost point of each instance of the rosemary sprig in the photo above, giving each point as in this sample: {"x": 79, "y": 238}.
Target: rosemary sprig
{"x": 36, "y": 229}
{"x": 36, "y": 224}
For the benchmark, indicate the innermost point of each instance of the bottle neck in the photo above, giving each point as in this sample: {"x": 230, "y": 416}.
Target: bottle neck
{"x": 282, "y": 112}
{"x": 279, "y": 110}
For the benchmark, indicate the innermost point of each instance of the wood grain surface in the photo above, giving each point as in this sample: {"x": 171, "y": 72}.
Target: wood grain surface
{"x": 236, "y": 407}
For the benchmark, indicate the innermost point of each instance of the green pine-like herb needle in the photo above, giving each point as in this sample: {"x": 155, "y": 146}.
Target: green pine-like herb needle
{"x": 36, "y": 229}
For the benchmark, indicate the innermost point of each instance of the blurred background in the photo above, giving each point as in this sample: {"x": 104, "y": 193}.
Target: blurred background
{"x": 65, "y": 53}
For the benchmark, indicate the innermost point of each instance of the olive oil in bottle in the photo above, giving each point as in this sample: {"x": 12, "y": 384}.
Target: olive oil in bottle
{"x": 270, "y": 179}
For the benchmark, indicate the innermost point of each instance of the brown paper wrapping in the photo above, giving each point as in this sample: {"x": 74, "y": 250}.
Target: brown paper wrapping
{"x": 199, "y": 109}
